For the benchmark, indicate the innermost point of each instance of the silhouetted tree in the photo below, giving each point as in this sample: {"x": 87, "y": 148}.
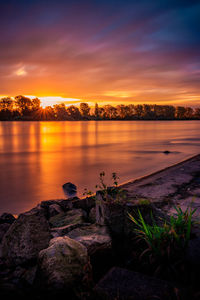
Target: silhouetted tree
{"x": 121, "y": 111}
{"x": 23, "y": 108}
{"x": 96, "y": 111}
{"x": 139, "y": 111}
{"x": 188, "y": 113}
{"x": 180, "y": 112}
{"x": 48, "y": 113}
{"x": 60, "y": 111}
{"x": 36, "y": 104}
{"x": 197, "y": 113}
{"x": 110, "y": 112}
{"x": 6, "y": 104}
{"x": 23, "y": 104}
{"x": 74, "y": 112}
{"x": 84, "y": 110}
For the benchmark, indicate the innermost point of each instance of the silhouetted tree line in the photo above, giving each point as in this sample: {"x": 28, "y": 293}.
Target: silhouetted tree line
{"x": 23, "y": 108}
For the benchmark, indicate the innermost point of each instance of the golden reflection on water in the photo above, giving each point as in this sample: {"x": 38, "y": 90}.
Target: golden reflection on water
{"x": 36, "y": 158}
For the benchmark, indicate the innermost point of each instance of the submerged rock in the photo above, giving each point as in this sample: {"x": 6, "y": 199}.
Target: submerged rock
{"x": 70, "y": 190}
{"x": 26, "y": 237}
{"x": 166, "y": 152}
{"x": 64, "y": 265}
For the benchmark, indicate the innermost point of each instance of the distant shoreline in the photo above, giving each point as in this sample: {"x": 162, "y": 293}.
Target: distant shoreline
{"x": 102, "y": 120}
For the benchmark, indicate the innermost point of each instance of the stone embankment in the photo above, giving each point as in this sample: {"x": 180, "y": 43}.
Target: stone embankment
{"x": 85, "y": 248}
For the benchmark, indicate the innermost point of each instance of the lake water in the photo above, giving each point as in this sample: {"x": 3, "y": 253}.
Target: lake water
{"x": 37, "y": 158}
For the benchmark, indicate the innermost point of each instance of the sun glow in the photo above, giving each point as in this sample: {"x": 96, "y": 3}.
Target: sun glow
{"x": 51, "y": 101}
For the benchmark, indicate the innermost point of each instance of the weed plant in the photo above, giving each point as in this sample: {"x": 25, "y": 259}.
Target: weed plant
{"x": 164, "y": 245}
{"x": 109, "y": 193}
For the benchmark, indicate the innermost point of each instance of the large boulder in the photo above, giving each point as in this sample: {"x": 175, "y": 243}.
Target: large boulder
{"x": 123, "y": 284}
{"x": 64, "y": 265}
{"x": 26, "y": 237}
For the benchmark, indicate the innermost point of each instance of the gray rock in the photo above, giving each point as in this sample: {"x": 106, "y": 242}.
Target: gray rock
{"x": 61, "y": 231}
{"x": 26, "y": 237}
{"x": 123, "y": 284}
{"x": 70, "y": 190}
{"x": 46, "y": 204}
{"x": 94, "y": 238}
{"x": 54, "y": 209}
{"x": 66, "y": 204}
{"x": 86, "y": 203}
{"x": 64, "y": 265}
{"x": 7, "y": 218}
{"x": 71, "y": 217}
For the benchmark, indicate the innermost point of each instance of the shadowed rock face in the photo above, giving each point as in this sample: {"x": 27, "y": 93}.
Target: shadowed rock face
{"x": 26, "y": 237}
{"x": 5, "y": 222}
{"x": 123, "y": 284}
{"x": 69, "y": 189}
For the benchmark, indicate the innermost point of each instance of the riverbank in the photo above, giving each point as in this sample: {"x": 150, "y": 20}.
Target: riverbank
{"x": 178, "y": 184}
{"x": 85, "y": 247}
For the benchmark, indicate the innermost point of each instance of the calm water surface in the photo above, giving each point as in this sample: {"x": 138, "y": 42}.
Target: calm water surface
{"x": 36, "y": 158}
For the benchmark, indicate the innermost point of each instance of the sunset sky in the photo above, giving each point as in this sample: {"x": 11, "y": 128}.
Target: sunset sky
{"x": 106, "y": 51}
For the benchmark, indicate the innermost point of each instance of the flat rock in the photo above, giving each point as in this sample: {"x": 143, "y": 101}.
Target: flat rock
{"x": 94, "y": 238}
{"x": 26, "y": 237}
{"x": 123, "y": 284}
{"x": 64, "y": 230}
{"x": 75, "y": 216}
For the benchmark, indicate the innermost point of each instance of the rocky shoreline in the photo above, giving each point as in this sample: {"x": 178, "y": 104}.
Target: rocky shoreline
{"x": 85, "y": 248}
